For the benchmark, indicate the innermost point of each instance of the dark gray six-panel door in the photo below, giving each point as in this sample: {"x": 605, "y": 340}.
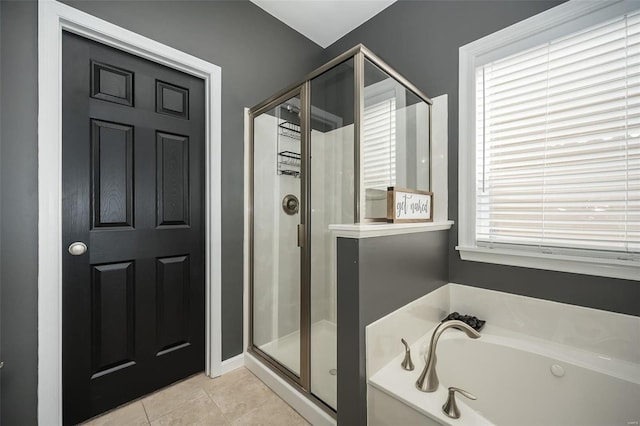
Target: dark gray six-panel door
{"x": 133, "y": 192}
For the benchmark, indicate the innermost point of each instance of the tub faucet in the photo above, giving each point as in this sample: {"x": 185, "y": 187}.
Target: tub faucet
{"x": 450, "y": 408}
{"x": 428, "y": 380}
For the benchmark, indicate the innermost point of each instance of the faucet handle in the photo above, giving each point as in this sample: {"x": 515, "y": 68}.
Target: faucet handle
{"x": 450, "y": 408}
{"x": 407, "y": 364}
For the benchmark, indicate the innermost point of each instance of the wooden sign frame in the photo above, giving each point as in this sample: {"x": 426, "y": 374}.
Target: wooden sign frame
{"x": 399, "y": 206}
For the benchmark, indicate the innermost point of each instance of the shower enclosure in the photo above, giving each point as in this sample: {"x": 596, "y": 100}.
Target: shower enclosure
{"x": 323, "y": 153}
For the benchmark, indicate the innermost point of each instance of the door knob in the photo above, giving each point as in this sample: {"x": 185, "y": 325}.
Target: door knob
{"x": 78, "y": 248}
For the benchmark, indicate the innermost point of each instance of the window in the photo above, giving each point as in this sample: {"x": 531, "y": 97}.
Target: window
{"x": 379, "y": 146}
{"x": 556, "y": 145}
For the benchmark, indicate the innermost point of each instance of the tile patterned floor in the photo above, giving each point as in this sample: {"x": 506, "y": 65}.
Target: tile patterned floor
{"x": 236, "y": 399}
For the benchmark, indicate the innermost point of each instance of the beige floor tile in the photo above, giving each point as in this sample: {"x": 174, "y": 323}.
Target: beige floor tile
{"x": 132, "y": 414}
{"x": 273, "y": 412}
{"x": 237, "y": 398}
{"x": 197, "y": 380}
{"x": 200, "y": 411}
{"x": 237, "y": 392}
{"x": 171, "y": 398}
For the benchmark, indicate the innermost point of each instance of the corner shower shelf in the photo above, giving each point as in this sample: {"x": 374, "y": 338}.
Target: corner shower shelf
{"x": 289, "y": 163}
{"x": 290, "y": 130}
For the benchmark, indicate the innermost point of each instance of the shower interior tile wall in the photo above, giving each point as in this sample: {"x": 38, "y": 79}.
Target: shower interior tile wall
{"x": 279, "y": 240}
{"x": 330, "y": 194}
{"x": 331, "y": 157}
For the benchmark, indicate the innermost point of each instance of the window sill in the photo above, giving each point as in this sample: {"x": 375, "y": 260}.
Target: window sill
{"x": 613, "y": 268}
{"x": 366, "y": 230}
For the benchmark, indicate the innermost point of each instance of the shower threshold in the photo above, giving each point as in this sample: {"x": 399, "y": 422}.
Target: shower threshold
{"x": 323, "y": 335}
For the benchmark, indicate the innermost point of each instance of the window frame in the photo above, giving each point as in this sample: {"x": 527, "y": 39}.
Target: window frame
{"x": 561, "y": 20}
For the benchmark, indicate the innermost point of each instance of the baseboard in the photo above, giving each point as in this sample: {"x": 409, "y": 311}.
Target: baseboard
{"x": 231, "y": 364}
{"x": 307, "y": 409}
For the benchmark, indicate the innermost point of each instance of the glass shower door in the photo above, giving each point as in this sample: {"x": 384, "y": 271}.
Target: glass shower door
{"x": 277, "y": 212}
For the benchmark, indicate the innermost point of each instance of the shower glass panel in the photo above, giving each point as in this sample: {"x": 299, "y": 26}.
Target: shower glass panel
{"x": 322, "y": 156}
{"x": 331, "y": 175}
{"x": 395, "y": 140}
{"x": 276, "y": 215}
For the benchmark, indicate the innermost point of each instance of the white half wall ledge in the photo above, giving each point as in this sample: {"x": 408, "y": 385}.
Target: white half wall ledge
{"x": 368, "y": 230}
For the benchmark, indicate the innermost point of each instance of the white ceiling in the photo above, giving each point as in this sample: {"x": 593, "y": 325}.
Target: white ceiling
{"x": 323, "y": 21}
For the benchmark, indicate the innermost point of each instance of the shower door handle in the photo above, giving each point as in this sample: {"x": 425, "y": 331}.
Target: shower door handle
{"x": 301, "y": 235}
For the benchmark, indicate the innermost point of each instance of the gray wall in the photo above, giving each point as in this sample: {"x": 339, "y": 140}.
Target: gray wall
{"x": 0, "y": 203}
{"x": 420, "y": 39}
{"x": 376, "y": 276}
{"x": 258, "y": 55}
{"x": 18, "y": 242}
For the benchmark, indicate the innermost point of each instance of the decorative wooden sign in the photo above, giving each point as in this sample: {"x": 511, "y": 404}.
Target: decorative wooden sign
{"x": 409, "y": 205}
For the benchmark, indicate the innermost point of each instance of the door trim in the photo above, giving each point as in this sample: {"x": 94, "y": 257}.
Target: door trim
{"x": 53, "y": 18}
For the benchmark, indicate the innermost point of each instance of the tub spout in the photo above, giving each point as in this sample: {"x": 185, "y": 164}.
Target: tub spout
{"x": 428, "y": 380}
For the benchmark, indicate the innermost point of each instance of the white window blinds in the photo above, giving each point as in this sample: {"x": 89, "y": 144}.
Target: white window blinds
{"x": 558, "y": 143}
{"x": 379, "y": 144}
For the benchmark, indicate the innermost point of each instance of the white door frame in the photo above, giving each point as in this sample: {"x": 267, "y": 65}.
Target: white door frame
{"x": 53, "y": 17}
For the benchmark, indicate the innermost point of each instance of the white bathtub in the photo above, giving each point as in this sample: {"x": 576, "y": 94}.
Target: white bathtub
{"x": 511, "y": 375}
